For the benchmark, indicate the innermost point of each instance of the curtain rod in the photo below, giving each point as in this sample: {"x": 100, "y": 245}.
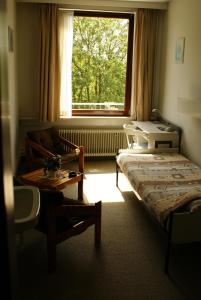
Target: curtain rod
{"x": 103, "y": 4}
{"x": 97, "y": 10}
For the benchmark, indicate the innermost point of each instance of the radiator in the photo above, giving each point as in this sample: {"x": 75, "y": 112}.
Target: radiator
{"x": 97, "y": 142}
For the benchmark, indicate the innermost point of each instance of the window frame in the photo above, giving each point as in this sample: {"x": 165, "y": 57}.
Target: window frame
{"x": 128, "y": 83}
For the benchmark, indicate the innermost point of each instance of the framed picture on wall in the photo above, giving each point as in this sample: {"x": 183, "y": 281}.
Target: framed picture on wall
{"x": 179, "y": 53}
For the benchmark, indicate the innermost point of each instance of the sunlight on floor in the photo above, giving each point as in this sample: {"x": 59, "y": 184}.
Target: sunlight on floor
{"x": 103, "y": 187}
{"x": 100, "y": 186}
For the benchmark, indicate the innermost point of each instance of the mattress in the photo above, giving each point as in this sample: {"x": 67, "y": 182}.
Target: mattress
{"x": 166, "y": 182}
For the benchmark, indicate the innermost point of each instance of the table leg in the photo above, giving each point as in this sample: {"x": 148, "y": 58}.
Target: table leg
{"x": 80, "y": 188}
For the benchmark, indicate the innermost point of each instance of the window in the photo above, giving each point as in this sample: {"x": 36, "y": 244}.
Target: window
{"x": 102, "y": 63}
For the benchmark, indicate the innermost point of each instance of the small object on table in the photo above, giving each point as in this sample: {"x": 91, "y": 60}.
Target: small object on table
{"x": 72, "y": 174}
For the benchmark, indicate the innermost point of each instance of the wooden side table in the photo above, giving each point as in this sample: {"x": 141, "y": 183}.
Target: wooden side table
{"x": 37, "y": 178}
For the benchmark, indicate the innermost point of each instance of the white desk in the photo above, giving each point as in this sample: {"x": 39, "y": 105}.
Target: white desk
{"x": 156, "y": 135}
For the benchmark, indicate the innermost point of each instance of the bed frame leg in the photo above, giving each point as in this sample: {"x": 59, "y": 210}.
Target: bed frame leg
{"x": 167, "y": 256}
{"x": 168, "y": 249}
{"x": 117, "y": 169}
{"x": 117, "y": 176}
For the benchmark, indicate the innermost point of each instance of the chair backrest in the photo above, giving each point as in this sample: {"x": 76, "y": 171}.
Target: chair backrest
{"x": 47, "y": 138}
{"x": 131, "y": 135}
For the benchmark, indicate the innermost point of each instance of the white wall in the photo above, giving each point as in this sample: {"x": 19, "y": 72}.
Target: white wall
{"x": 12, "y": 86}
{"x": 120, "y": 5}
{"x": 8, "y": 140}
{"x": 183, "y": 80}
{"x": 28, "y": 59}
{"x": 28, "y": 77}
{"x": 28, "y": 66}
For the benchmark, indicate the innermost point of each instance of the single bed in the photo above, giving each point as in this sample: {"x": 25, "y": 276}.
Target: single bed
{"x": 169, "y": 185}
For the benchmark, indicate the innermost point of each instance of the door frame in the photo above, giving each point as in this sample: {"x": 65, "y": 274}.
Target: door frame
{"x": 8, "y": 261}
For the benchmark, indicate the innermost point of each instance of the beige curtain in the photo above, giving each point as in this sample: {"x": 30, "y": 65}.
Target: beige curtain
{"x": 144, "y": 60}
{"x": 49, "y": 64}
{"x": 66, "y": 51}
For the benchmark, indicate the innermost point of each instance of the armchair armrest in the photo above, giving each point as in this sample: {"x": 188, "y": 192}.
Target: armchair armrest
{"x": 78, "y": 150}
{"x": 68, "y": 143}
{"x": 44, "y": 152}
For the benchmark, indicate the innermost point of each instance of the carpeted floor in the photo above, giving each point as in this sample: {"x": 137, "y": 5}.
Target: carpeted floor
{"x": 129, "y": 264}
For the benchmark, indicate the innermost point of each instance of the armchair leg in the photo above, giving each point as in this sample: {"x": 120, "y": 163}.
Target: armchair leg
{"x": 81, "y": 170}
{"x": 80, "y": 188}
{"x": 98, "y": 225}
{"x": 51, "y": 238}
{"x": 51, "y": 255}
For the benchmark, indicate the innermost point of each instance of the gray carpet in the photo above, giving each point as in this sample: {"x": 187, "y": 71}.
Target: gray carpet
{"x": 129, "y": 264}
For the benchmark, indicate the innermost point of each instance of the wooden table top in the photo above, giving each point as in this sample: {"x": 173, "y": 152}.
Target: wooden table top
{"x": 37, "y": 178}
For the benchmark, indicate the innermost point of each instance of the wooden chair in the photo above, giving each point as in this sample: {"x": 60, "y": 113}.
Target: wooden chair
{"x": 62, "y": 218}
{"x": 41, "y": 144}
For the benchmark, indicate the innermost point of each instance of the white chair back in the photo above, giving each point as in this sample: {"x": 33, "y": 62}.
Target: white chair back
{"x": 131, "y": 135}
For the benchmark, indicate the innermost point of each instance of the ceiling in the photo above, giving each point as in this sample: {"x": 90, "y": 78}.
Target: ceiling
{"x": 147, "y": 0}
{"x": 154, "y": 1}
{"x": 161, "y": 4}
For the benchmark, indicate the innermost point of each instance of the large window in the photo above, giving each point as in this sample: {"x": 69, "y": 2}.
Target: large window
{"x": 102, "y": 63}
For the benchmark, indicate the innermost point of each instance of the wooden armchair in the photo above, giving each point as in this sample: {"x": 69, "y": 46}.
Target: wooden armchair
{"x": 62, "y": 218}
{"x": 41, "y": 144}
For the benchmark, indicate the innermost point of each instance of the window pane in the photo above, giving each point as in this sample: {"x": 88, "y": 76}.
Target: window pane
{"x": 99, "y": 63}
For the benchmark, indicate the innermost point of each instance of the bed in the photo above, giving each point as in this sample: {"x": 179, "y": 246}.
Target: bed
{"x": 169, "y": 185}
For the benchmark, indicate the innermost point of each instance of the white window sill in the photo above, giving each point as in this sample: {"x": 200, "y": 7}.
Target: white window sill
{"x": 81, "y": 121}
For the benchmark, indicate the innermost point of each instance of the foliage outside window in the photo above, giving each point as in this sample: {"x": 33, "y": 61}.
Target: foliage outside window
{"x": 102, "y": 62}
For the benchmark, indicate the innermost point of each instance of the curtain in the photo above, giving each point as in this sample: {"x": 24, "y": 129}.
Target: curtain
{"x": 49, "y": 85}
{"x": 144, "y": 61}
{"x": 66, "y": 47}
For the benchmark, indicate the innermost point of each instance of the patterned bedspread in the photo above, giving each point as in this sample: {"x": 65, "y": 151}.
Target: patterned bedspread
{"x": 166, "y": 182}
